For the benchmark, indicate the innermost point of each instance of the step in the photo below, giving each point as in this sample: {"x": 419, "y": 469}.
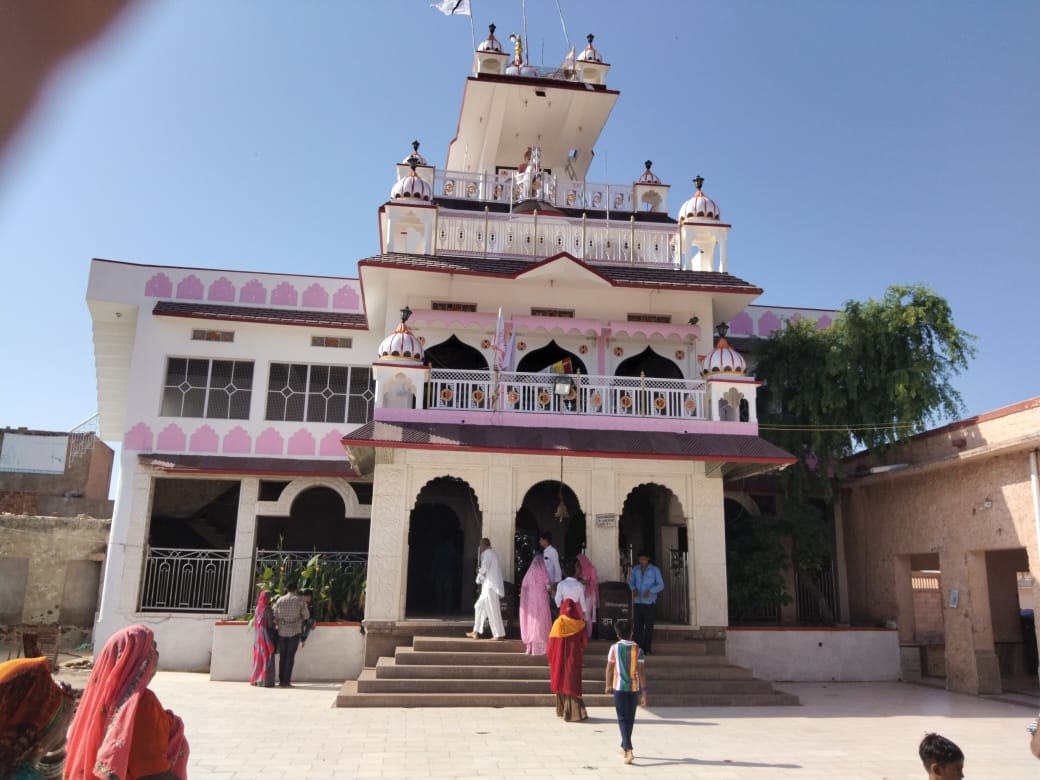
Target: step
{"x": 466, "y": 645}
{"x": 392, "y": 668}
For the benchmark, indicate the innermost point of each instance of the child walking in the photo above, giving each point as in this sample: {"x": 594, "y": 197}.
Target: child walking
{"x": 626, "y": 679}
{"x": 942, "y": 759}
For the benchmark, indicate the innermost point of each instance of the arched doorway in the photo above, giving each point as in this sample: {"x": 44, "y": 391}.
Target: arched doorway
{"x": 652, "y": 519}
{"x": 539, "y": 512}
{"x": 649, "y": 363}
{"x": 316, "y": 521}
{"x": 455, "y": 353}
{"x": 540, "y": 359}
{"x": 444, "y": 524}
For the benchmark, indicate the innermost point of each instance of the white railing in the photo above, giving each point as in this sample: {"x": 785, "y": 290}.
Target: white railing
{"x": 526, "y": 236}
{"x": 180, "y": 580}
{"x": 599, "y": 395}
{"x": 508, "y": 186}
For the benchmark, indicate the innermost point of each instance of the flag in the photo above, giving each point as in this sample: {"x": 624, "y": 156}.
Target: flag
{"x": 500, "y": 341}
{"x": 453, "y": 7}
{"x": 562, "y": 367}
{"x": 507, "y": 360}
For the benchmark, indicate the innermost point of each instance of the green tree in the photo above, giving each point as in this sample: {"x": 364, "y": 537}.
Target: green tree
{"x": 882, "y": 372}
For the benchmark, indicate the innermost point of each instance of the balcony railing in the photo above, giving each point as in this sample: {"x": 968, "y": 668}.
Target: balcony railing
{"x": 180, "y": 580}
{"x": 507, "y": 187}
{"x": 612, "y": 396}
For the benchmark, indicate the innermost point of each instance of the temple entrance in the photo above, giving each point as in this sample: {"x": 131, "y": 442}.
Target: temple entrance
{"x": 652, "y": 520}
{"x": 548, "y": 506}
{"x": 444, "y": 524}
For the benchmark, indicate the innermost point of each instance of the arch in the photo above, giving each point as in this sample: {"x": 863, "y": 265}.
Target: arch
{"x": 283, "y": 506}
{"x": 536, "y": 515}
{"x": 317, "y": 519}
{"x": 444, "y": 522}
{"x": 651, "y": 364}
{"x": 455, "y": 353}
{"x": 652, "y": 519}
{"x": 542, "y": 358}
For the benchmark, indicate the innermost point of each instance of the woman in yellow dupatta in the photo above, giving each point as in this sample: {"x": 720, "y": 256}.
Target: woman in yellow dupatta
{"x": 566, "y": 651}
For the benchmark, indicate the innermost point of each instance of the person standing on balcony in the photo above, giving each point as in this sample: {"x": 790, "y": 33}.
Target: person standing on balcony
{"x": 552, "y": 566}
{"x": 646, "y": 582}
{"x": 487, "y": 608}
{"x": 290, "y": 613}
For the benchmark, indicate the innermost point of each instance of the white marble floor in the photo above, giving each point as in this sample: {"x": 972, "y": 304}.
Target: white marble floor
{"x": 852, "y": 730}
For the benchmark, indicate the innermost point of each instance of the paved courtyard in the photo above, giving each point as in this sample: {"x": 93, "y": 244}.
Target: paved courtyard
{"x": 850, "y": 730}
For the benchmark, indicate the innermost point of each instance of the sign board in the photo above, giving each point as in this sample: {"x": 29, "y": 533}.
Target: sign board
{"x": 615, "y": 603}
{"x": 606, "y": 521}
{"x": 34, "y": 453}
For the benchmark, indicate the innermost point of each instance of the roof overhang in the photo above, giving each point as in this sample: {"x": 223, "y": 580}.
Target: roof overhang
{"x": 269, "y": 467}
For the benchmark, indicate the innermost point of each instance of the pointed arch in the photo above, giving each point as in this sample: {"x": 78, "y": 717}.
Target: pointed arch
{"x": 649, "y": 363}
{"x": 453, "y": 352}
{"x": 539, "y": 359}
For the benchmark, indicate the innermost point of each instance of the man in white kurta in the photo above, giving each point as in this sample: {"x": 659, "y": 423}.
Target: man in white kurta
{"x": 489, "y": 577}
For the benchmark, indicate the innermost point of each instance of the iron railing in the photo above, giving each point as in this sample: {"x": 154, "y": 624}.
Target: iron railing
{"x": 612, "y": 396}
{"x": 298, "y": 559}
{"x": 677, "y": 588}
{"x": 816, "y": 595}
{"x": 181, "y": 580}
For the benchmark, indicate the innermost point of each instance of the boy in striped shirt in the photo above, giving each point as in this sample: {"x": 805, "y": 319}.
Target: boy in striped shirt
{"x": 626, "y": 679}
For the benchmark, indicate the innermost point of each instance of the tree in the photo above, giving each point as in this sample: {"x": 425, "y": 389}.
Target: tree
{"x": 882, "y": 372}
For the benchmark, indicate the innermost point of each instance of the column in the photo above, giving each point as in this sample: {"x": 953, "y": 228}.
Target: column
{"x": 601, "y": 543}
{"x": 240, "y": 594}
{"x": 709, "y": 599}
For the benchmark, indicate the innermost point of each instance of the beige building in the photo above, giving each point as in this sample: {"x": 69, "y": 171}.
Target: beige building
{"x": 938, "y": 538}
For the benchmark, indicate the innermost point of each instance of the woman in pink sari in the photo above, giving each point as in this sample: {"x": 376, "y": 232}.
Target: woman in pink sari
{"x": 263, "y": 643}
{"x": 121, "y": 731}
{"x": 535, "y": 619}
{"x": 587, "y": 574}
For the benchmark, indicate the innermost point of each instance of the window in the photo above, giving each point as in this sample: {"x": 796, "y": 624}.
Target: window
{"x": 332, "y": 341}
{"x": 219, "y": 389}
{"x": 544, "y": 312}
{"x": 212, "y": 335}
{"x": 637, "y": 317}
{"x": 452, "y": 306}
{"x": 297, "y": 392}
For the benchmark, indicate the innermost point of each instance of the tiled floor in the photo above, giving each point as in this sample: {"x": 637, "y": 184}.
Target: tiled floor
{"x": 864, "y": 730}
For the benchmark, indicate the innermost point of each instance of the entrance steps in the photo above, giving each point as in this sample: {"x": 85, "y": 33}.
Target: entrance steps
{"x": 461, "y": 672}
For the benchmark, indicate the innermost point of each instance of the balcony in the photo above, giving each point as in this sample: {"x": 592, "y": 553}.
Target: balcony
{"x": 604, "y": 396}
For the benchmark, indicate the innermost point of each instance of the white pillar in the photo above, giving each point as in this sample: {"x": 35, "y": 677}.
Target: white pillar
{"x": 601, "y": 543}
{"x": 240, "y": 596}
{"x": 706, "y": 529}
{"x": 388, "y": 544}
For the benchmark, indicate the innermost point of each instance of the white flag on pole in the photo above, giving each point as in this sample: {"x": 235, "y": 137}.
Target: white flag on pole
{"x": 500, "y": 341}
{"x": 453, "y": 7}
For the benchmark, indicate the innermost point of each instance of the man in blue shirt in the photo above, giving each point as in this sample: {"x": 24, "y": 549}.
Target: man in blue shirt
{"x": 646, "y": 582}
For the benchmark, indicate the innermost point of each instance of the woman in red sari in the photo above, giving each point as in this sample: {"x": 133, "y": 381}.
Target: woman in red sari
{"x": 263, "y": 643}
{"x": 566, "y": 652}
{"x": 121, "y": 731}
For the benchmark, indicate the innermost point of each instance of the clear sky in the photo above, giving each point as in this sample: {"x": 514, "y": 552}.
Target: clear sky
{"x": 851, "y": 145}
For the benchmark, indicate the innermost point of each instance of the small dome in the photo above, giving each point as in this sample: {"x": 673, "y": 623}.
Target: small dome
{"x": 412, "y": 187}
{"x": 491, "y": 42}
{"x": 589, "y": 54}
{"x": 723, "y": 360}
{"x": 648, "y": 177}
{"x": 419, "y": 159}
{"x": 700, "y": 206}
{"x": 402, "y": 344}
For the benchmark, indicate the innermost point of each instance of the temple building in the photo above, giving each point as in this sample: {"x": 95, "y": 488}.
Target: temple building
{"x": 527, "y": 351}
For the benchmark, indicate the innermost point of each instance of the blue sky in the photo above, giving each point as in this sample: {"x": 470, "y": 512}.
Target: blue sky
{"x": 851, "y": 145}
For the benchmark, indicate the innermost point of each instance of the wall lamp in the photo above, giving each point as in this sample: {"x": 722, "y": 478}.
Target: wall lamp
{"x": 563, "y": 386}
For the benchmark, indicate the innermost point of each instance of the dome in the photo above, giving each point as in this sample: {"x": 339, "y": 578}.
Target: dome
{"x": 491, "y": 42}
{"x": 589, "y": 54}
{"x": 723, "y": 360}
{"x": 700, "y": 206}
{"x": 648, "y": 177}
{"x": 419, "y": 159}
{"x": 402, "y": 344}
{"x": 412, "y": 187}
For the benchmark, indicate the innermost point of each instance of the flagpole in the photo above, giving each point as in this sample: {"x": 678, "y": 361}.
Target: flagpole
{"x": 472, "y": 29}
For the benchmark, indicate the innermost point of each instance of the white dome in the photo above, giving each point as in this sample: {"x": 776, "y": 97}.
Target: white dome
{"x": 491, "y": 42}
{"x": 402, "y": 344}
{"x": 589, "y": 54}
{"x": 723, "y": 360}
{"x": 648, "y": 176}
{"x": 412, "y": 187}
{"x": 700, "y": 206}
{"x": 419, "y": 159}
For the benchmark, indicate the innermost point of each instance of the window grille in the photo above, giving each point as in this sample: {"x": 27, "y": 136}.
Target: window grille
{"x": 316, "y": 393}
{"x": 636, "y": 317}
{"x": 217, "y": 389}
{"x": 452, "y": 306}
{"x": 338, "y": 342}
{"x": 544, "y": 312}
{"x": 212, "y": 335}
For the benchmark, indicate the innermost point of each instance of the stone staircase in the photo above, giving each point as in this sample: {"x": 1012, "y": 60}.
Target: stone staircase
{"x": 437, "y": 671}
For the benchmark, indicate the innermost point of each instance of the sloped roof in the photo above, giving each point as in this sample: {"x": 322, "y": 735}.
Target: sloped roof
{"x": 212, "y": 311}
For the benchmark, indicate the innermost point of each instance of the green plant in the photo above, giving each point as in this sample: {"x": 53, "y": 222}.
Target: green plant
{"x": 339, "y": 591}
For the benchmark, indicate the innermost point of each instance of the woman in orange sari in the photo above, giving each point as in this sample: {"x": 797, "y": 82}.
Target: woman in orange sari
{"x": 566, "y": 652}
{"x": 121, "y": 731}
{"x": 34, "y": 714}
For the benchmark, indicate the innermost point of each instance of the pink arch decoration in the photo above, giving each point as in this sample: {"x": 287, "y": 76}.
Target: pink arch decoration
{"x": 205, "y": 439}
{"x": 237, "y": 440}
{"x": 269, "y": 442}
{"x": 159, "y": 286}
{"x": 301, "y": 443}
{"x": 284, "y": 295}
{"x": 330, "y": 443}
{"x": 316, "y": 296}
{"x": 172, "y": 439}
{"x": 190, "y": 288}
{"x": 222, "y": 290}
{"x": 138, "y": 438}
{"x": 252, "y": 292}
{"x": 824, "y": 322}
{"x": 346, "y": 297}
{"x": 768, "y": 324}
{"x": 741, "y": 325}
